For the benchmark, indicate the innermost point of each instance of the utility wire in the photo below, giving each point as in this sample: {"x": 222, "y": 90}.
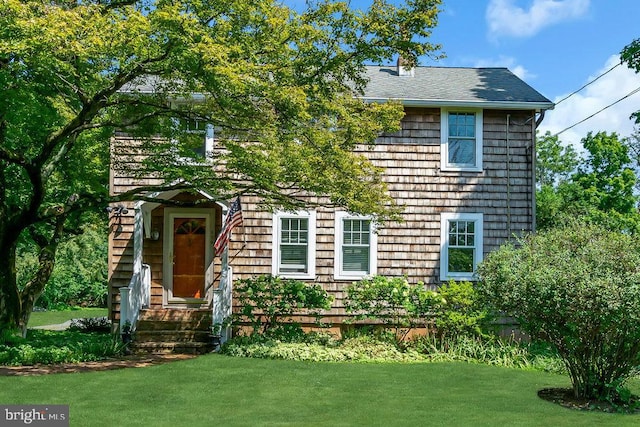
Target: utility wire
{"x": 588, "y": 83}
{"x": 599, "y": 111}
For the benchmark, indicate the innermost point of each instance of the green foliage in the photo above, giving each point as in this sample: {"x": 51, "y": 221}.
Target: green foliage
{"x": 458, "y": 312}
{"x": 367, "y": 347}
{"x": 491, "y": 351}
{"x": 91, "y": 324}
{"x": 268, "y": 302}
{"x": 396, "y": 303}
{"x": 631, "y": 56}
{"x": 600, "y": 190}
{"x": 48, "y": 347}
{"x": 577, "y": 288}
{"x": 393, "y": 301}
{"x": 554, "y": 162}
{"x": 278, "y": 85}
{"x": 79, "y": 277}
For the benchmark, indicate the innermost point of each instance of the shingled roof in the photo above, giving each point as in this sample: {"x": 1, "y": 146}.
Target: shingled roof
{"x": 456, "y": 87}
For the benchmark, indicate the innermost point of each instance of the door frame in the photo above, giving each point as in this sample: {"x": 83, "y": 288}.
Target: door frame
{"x": 171, "y": 213}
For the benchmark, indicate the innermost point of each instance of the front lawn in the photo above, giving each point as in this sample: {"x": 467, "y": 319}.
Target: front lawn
{"x": 41, "y": 318}
{"x": 219, "y": 390}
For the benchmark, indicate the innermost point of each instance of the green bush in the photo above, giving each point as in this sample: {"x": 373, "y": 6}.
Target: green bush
{"x": 393, "y": 301}
{"x": 458, "y": 312}
{"x": 49, "y": 347}
{"x": 267, "y": 302}
{"x": 577, "y": 288}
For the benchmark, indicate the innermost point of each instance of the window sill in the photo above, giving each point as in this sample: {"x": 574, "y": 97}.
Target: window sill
{"x": 455, "y": 169}
{"x": 297, "y": 276}
{"x": 351, "y": 277}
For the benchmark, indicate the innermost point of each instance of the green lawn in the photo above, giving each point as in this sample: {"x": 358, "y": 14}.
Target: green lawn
{"x": 215, "y": 390}
{"x": 40, "y": 318}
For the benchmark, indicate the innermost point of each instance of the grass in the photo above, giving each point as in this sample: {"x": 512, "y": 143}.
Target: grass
{"x": 41, "y": 318}
{"x": 219, "y": 390}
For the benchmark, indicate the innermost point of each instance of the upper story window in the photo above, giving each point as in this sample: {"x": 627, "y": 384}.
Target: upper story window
{"x": 203, "y": 133}
{"x": 294, "y": 237}
{"x": 460, "y": 245}
{"x": 461, "y": 132}
{"x": 355, "y": 246}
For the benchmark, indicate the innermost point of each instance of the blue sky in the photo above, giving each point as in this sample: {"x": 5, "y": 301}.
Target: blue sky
{"x": 556, "y": 46}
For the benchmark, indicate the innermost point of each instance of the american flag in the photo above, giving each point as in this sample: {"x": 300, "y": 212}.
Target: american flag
{"x": 234, "y": 219}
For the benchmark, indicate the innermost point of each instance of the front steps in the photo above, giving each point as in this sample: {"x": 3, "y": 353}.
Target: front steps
{"x": 177, "y": 331}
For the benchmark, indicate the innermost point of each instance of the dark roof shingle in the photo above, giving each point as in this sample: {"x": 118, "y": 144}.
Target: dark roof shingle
{"x": 439, "y": 86}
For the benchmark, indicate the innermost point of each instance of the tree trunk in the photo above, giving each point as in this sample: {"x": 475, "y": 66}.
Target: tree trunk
{"x": 9, "y": 294}
{"x": 46, "y": 260}
{"x": 36, "y": 285}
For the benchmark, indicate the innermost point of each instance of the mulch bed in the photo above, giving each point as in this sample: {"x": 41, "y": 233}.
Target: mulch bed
{"x": 103, "y": 365}
{"x": 564, "y": 397}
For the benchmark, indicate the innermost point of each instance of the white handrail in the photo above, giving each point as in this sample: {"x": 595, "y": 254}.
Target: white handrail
{"x": 222, "y": 305}
{"x": 135, "y": 297}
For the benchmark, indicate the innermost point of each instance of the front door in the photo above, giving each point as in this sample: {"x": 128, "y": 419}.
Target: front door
{"x": 188, "y": 254}
{"x": 189, "y": 267}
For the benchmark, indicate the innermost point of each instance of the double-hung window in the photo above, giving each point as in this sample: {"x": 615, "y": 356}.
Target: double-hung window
{"x": 461, "y": 245}
{"x": 461, "y": 140}
{"x": 355, "y": 247}
{"x": 294, "y": 236}
{"x": 199, "y": 135}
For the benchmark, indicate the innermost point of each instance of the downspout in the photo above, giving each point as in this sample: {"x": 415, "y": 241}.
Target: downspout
{"x": 508, "y": 180}
{"x": 534, "y": 126}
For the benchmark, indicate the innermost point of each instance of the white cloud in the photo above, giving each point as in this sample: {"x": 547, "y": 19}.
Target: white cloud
{"x": 606, "y": 90}
{"x": 508, "y": 62}
{"x": 504, "y": 18}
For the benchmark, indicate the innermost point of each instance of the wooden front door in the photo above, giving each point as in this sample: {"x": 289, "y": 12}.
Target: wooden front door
{"x": 189, "y": 248}
{"x": 188, "y": 255}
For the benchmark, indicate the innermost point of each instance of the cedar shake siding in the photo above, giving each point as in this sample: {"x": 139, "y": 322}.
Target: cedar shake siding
{"x": 411, "y": 158}
{"x": 499, "y": 189}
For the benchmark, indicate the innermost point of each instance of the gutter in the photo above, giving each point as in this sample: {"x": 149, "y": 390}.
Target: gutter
{"x": 507, "y": 105}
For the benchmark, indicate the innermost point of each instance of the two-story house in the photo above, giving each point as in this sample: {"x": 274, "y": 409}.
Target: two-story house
{"x": 462, "y": 166}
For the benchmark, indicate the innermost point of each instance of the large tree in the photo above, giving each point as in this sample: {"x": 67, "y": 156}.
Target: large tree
{"x": 631, "y": 56}
{"x": 598, "y": 187}
{"x": 279, "y": 86}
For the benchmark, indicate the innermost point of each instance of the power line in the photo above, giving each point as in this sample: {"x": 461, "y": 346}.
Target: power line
{"x": 599, "y": 111}
{"x": 588, "y": 83}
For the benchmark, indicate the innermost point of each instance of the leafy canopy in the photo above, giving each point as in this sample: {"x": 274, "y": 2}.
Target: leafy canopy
{"x": 280, "y": 88}
{"x": 598, "y": 187}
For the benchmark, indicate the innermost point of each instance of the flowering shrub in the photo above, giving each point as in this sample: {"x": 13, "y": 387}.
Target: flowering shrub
{"x": 268, "y": 301}
{"x": 393, "y": 301}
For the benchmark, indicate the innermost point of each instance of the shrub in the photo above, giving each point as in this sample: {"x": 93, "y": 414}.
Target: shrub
{"x": 393, "y": 301}
{"x": 577, "y": 288}
{"x": 91, "y": 324}
{"x": 268, "y": 301}
{"x": 458, "y": 312}
{"x": 49, "y": 347}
